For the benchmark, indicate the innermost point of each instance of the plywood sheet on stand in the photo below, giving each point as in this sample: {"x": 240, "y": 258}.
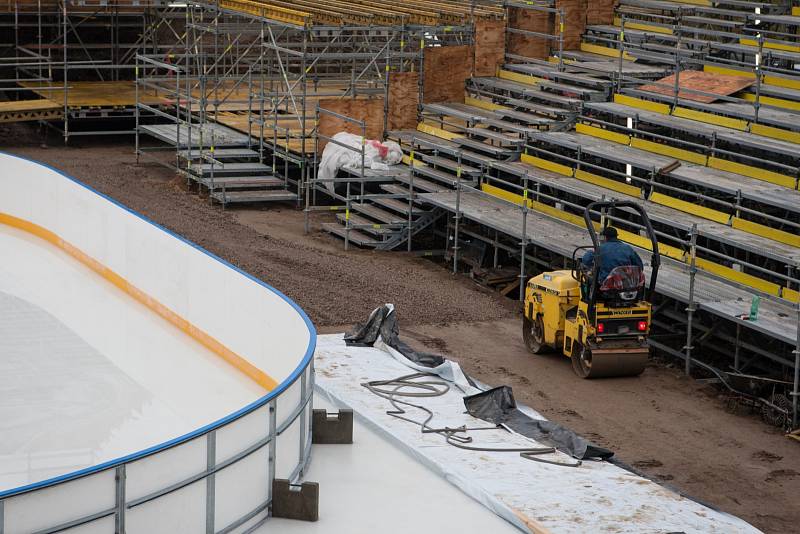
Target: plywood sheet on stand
{"x": 534, "y": 21}
{"x": 574, "y": 22}
{"x": 600, "y": 11}
{"x": 362, "y": 109}
{"x": 446, "y": 71}
{"x": 403, "y": 100}
{"x": 708, "y": 82}
{"x": 490, "y": 44}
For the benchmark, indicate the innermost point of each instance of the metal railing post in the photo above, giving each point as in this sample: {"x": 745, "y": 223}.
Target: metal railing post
{"x": 524, "y": 240}
{"x": 273, "y": 439}
{"x": 211, "y": 462}
{"x": 119, "y": 500}
{"x": 691, "y": 308}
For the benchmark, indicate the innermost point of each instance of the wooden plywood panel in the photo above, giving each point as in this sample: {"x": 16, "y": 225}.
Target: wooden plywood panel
{"x": 534, "y": 21}
{"x": 362, "y": 109}
{"x": 489, "y": 46}
{"x": 403, "y": 100}
{"x": 600, "y": 11}
{"x": 709, "y": 82}
{"x": 446, "y": 70}
{"x": 574, "y": 22}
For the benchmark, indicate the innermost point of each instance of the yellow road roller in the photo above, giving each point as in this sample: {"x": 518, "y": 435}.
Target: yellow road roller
{"x": 601, "y": 325}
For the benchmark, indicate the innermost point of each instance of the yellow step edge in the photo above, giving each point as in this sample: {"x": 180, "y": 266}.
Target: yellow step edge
{"x": 608, "y": 183}
{"x": 534, "y": 205}
{"x": 730, "y": 72}
{"x": 770, "y": 45}
{"x": 602, "y": 133}
{"x": 518, "y": 77}
{"x": 710, "y": 118}
{"x": 782, "y": 82}
{"x": 644, "y": 27}
{"x": 738, "y": 277}
{"x": 796, "y": 11}
{"x": 690, "y": 207}
{"x": 765, "y": 231}
{"x": 437, "y": 132}
{"x": 483, "y": 104}
{"x": 790, "y": 294}
{"x": 752, "y": 172}
{"x": 416, "y": 162}
{"x": 547, "y": 165}
{"x": 644, "y": 242}
{"x": 605, "y": 51}
{"x": 775, "y": 133}
{"x": 638, "y": 103}
{"x": 771, "y": 101}
{"x": 671, "y": 151}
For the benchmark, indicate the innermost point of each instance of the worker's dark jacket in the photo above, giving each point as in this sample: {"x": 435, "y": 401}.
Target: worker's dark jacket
{"x": 613, "y": 253}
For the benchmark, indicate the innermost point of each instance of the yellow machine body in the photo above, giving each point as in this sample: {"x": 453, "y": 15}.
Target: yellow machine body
{"x": 557, "y": 318}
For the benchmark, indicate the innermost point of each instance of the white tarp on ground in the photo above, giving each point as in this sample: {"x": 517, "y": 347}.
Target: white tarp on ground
{"x": 378, "y": 155}
{"x": 534, "y": 496}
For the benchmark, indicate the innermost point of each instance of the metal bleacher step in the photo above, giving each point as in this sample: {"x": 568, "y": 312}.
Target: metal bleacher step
{"x": 422, "y": 185}
{"x": 398, "y": 205}
{"x": 270, "y": 195}
{"x": 495, "y": 151}
{"x": 220, "y": 153}
{"x": 241, "y": 182}
{"x": 354, "y": 236}
{"x": 499, "y": 137}
{"x": 381, "y": 215}
{"x": 229, "y": 169}
{"x": 366, "y": 225}
{"x": 436, "y": 174}
{"x": 449, "y": 164}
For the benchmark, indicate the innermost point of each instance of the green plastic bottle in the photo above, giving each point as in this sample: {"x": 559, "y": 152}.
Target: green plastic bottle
{"x": 754, "y": 308}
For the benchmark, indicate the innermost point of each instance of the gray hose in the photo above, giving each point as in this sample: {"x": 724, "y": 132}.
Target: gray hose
{"x": 392, "y": 391}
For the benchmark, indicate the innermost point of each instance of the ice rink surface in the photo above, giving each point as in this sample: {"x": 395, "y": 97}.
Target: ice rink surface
{"x": 87, "y": 374}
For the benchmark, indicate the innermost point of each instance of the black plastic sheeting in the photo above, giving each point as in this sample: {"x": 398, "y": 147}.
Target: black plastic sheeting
{"x": 495, "y": 405}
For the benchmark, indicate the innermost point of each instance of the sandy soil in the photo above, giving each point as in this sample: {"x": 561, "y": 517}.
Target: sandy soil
{"x": 670, "y": 428}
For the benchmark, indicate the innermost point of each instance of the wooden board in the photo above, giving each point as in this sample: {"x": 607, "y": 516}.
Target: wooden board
{"x": 362, "y": 109}
{"x": 600, "y": 11}
{"x": 530, "y": 20}
{"x": 446, "y": 71}
{"x": 403, "y": 100}
{"x": 490, "y": 46}
{"x": 709, "y": 82}
{"x": 96, "y": 94}
{"x": 574, "y": 22}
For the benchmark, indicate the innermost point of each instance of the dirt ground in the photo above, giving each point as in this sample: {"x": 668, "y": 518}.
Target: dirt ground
{"x": 669, "y": 427}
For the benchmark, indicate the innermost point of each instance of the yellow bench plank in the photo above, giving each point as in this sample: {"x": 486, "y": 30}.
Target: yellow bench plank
{"x": 644, "y": 242}
{"x": 416, "y": 163}
{"x": 772, "y": 101}
{"x": 437, "y": 132}
{"x": 771, "y": 45}
{"x": 752, "y": 172}
{"x": 483, "y": 104}
{"x": 534, "y": 205}
{"x": 644, "y": 27}
{"x": 775, "y": 133}
{"x": 730, "y": 72}
{"x": 782, "y": 82}
{"x": 740, "y": 278}
{"x": 547, "y": 165}
{"x": 790, "y": 294}
{"x": 671, "y": 151}
{"x": 605, "y": 51}
{"x": 689, "y": 207}
{"x": 608, "y": 183}
{"x": 765, "y": 231}
{"x": 710, "y": 118}
{"x": 602, "y": 133}
{"x": 527, "y": 79}
{"x": 656, "y": 107}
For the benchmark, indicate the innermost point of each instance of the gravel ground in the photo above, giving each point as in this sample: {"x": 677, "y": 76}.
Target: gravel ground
{"x": 671, "y": 428}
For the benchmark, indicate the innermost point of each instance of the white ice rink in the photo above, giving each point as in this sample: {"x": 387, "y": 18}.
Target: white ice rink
{"x": 87, "y": 374}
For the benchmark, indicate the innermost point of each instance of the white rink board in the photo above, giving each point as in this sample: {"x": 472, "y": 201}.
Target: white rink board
{"x": 164, "y": 486}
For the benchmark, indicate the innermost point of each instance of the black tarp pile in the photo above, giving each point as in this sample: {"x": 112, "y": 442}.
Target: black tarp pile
{"x": 496, "y": 405}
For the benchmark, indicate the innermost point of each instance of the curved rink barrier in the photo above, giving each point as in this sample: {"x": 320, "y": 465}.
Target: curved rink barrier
{"x": 217, "y": 478}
